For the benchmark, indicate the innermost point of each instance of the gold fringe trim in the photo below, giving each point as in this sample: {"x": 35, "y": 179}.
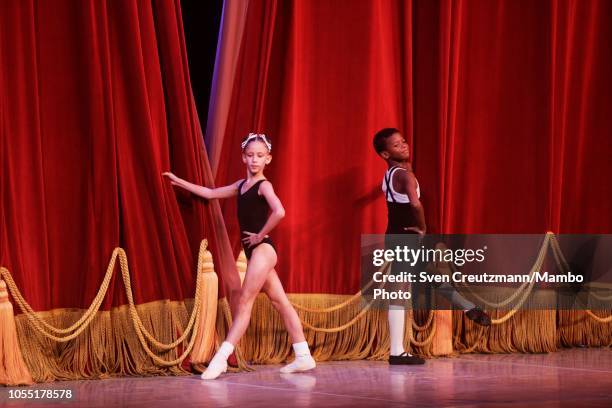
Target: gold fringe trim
{"x": 267, "y": 342}
{"x": 529, "y": 331}
{"x": 108, "y": 346}
{"x": 38, "y": 331}
{"x": 112, "y": 343}
{"x": 577, "y": 328}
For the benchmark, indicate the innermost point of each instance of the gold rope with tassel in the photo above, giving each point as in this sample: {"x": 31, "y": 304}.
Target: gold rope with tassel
{"x": 109, "y": 346}
{"x": 13, "y": 370}
{"x": 91, "y": 312}
{"x": 137, "y": 322}
{"x": 205, "y": 338}
{"x": 205, "y": 277}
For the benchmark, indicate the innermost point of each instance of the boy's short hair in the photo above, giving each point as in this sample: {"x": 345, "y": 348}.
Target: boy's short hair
{"x": 380, "y": 138}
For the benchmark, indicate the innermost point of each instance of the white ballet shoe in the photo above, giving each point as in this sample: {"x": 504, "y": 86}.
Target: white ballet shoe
{"x": 214, "y": 370}
{"x": 301, "y": 363}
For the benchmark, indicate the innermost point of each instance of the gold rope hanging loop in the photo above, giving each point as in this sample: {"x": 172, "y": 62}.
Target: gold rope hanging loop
{"x": 516, "y": 308}
{"x": 351, "y": 322}
{"x": 32, "y": 315}
{"x": 430, "y": 319}
{"x": 43, "y": 326}
{"x": 527, "y": 284}
{"x": 78, "y": 327}
{"x": 346, "y": 302}
{"x": 141, "y": 331}
{"x": 339, "y": 328}
{"x": 134, "y": 312}
{"x": 599, "y": 318}
{"x": 562, "y": 263}
{"x": 428, "y": 339}
{"x": 473, "y": 346}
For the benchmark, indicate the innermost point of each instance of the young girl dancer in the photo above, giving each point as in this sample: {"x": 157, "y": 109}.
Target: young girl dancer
{"x": 256, "y": 198}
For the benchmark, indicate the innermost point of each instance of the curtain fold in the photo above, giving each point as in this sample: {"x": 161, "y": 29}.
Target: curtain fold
{"x": 580, "y": 101}
{"x": 96, "y": 104}
{"x": 228, "y": 48}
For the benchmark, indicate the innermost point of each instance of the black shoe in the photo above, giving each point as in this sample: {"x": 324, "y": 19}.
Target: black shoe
{"x": 478, "y": 316}
{"x": 405, "y": 358}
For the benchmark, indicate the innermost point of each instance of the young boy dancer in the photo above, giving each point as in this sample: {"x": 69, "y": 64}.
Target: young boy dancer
{"x": 406, "y": 216}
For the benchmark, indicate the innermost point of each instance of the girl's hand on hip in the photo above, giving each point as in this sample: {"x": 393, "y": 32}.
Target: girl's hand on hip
{"x": 252, "y": 238}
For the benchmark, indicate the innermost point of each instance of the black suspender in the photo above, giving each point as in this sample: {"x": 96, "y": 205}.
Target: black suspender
{"x": 388, "y": 178}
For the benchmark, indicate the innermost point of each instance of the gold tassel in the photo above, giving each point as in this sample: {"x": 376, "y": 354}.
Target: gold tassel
{"x": 221, "y": 322}
{"x": 13, "y": 370}
{"x": 443, "y": 339}
{"x": 206, "y": 340}
{"x": 241, "y": 265}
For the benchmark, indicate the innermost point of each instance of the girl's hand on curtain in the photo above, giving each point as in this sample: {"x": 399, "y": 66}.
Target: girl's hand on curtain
{"x": 174, "y": 180}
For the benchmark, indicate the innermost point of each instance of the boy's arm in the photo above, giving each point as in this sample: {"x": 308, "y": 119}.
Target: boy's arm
{"x": 205, "y": 192}
{"x": 409, "y": 182}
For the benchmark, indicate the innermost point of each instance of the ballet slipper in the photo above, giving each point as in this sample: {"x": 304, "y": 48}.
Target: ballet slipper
{"x": 301, "y": 363}
{"x": 214, "y": 370}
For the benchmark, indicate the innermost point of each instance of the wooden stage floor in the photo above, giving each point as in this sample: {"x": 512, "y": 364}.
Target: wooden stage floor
{"x": 569, "y": 378}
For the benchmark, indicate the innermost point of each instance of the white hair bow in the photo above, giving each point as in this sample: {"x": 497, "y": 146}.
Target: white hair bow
{"x": 256, "y": 136}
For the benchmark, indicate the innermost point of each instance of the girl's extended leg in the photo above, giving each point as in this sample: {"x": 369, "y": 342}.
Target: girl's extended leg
{"x": 262, "y": 261}
{"x": 274, "y": 289}
{"x": 303, "y": 360}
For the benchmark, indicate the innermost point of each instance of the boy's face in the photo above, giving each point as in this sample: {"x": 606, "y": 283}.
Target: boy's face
{"x": 397, "y": 148}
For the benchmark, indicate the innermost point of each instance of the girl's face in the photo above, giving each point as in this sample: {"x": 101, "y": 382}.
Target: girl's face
{"x": 256, "y": 155}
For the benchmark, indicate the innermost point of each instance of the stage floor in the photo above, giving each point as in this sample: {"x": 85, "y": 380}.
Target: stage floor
{"x": 572, "y": 378}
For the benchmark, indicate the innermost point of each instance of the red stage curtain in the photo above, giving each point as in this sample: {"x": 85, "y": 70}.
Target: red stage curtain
{"x": 504, "y": 102}
{"x": 96, "y": 103}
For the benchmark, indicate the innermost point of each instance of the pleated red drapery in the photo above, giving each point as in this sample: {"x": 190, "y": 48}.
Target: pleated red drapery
{"x": 95, "y": 103}
{"x": 505, "y": 104}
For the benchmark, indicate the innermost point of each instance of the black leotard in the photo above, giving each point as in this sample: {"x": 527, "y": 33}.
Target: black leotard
{"x": 253, "y": 212}
{"x": 401, "y": 214}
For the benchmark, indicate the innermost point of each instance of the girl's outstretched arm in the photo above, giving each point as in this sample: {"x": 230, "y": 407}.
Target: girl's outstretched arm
{"x": 205, "y": 192}
{"x": 278, "y": 212}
